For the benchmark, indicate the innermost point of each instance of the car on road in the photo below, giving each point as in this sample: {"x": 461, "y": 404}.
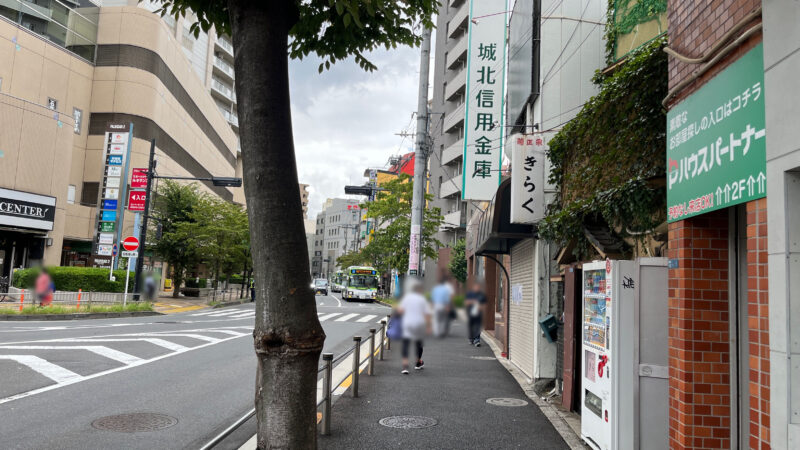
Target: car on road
{"x": 320, "y": 286}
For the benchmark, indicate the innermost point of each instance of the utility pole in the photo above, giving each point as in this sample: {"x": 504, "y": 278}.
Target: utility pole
{"x": 420, "y": 157}
{"x": 137, "y": 279}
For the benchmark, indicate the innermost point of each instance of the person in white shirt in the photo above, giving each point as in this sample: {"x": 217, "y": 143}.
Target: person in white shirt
{"x": 416, "y": 322}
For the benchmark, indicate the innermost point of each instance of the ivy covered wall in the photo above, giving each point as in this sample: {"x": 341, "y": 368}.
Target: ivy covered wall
{"x": 631, "y": 24}
{"x": 608, "y": 163}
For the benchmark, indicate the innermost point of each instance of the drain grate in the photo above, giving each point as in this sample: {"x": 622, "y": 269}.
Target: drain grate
{"x": 134, "y": 422}
{"x": 483, "y": 358}
{"x": 408, "y": 422}
{"x": 506, "y": 402}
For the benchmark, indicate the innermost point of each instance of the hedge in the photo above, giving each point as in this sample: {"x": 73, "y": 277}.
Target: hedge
{"x": 90, "y": 279}
{"x": 203, "y": 283}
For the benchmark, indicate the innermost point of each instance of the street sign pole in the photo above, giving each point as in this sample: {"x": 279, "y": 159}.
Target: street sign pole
{"x": 127, "y": 278}
{"x": 143, "y": 235}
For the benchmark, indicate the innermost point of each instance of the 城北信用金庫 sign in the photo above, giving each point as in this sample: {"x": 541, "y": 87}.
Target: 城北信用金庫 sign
{"x": 716, "y": 142}
{"x": 483, "y": 123}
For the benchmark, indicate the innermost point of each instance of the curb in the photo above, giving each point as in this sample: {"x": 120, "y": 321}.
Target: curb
{"x": 555, "y": 416}
{"x": 383, "y": 303}
{"x": 78, "y": 316}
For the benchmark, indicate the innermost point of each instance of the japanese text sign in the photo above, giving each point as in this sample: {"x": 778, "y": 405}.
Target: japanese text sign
{"x": 138, "y": 178}
{"x": 483, "y": 123}
{"x": 716, "y": 142}
{"x": 136, "y": 200}
{"x": 527, "y": 178}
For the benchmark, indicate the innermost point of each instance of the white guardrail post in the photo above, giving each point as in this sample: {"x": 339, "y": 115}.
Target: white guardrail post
{"x": 326, "y": 386}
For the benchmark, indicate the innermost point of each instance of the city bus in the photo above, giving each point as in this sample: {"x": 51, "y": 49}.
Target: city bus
{"x": 337, "y": 281}
{"x": 360, "y": 283}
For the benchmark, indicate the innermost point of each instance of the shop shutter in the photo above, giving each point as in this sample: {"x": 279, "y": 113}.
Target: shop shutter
{"x": 522, "y": 332}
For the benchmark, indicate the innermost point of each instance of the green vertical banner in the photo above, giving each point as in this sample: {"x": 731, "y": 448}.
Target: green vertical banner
{"x": 716, "y": 142}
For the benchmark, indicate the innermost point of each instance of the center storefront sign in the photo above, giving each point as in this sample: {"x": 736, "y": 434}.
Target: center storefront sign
{"x": 716, "y": 142}
{"x": 483, "y": 122}
{"x": 26, "y": 210}
{"x": 527, "y": 178}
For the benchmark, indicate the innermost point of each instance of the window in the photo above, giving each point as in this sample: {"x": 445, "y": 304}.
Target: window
{"x": 52, "y": 103}
{"x": 77, "y": 114}
{"x": 89, "y": 193}
{"x": 71, "y": 194}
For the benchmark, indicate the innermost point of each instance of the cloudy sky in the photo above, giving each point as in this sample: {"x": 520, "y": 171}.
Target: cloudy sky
{"x": 345, "y": 119}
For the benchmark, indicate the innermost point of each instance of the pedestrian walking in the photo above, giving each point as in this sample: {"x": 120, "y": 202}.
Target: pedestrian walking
{"x": 252, "y": 290}
{"x": 442, "y": 297}
{"x": 150, "y": 286}
{"x": 44, "y": 288}
{"x": 416, "y": 313}
{"x": 474, "y": 302}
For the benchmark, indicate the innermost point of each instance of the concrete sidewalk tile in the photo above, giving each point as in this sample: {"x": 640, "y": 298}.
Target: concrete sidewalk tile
{"x": 453, "y": 389}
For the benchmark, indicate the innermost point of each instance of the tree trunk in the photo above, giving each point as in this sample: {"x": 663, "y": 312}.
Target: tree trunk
{"x": 288, "y": 337}
{"x": 177, "y": 280}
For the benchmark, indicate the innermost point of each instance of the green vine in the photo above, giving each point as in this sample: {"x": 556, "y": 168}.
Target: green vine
{"x": 603, "y": 159}
{"x": 624, "y": 15}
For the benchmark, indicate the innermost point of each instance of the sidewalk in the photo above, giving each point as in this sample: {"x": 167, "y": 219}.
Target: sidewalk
{"x": 452, "y": 389}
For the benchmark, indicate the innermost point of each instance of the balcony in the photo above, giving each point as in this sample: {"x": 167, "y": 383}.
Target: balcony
{"x": 451, "y": 187}
{"x": 455, "y": 219}
{"x": 222, "y": 90}
{"x": 453, "y": 152}
{"x": 459, "y": 22}
{"x": 456, "y": 86}
{"x": 232, "y": 119}
{"x": 225, "y": 44}
{"x": 453, "y": 119}
{"x": 223, "y": 68}
{"x": 458, "y": 54}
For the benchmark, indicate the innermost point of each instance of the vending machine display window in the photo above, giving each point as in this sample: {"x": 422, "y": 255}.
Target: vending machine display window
{"x": 594, "y": 310}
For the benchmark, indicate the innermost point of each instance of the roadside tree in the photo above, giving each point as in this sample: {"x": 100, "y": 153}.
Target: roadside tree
{"x": 288, "y": 336}
{"x": 173, "y": 209}
{"x": 458, "y": 261}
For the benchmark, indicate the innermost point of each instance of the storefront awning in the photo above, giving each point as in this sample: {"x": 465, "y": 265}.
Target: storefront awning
{"x": 496, "y": 234}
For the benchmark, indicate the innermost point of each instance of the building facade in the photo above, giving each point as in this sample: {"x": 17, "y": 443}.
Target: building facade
{"x": 338, "y": 228}
{"x": 63, "y": 83}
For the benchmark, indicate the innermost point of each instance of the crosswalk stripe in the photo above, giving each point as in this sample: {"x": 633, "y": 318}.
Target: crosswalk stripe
{"x": 160, "y": 342}
{"x": 204, "y": 313}
{"x": 225, "y": 313}
{"x": 367, "y": 318}
{"x": 109, "y": 353}
{"x": 246, "y": 314}
{"x": 347, "y": 317}
{"x": 48, "y": 369}
{"x": 329, "y": 316}
{"x": 190, "y": 335}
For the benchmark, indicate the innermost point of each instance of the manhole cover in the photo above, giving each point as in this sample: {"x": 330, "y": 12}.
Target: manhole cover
{"x": 408, "y": 422}
{"x": 506, "y": 402}
{"x": 483, "y": 358}
{"x": 134, "y": 422}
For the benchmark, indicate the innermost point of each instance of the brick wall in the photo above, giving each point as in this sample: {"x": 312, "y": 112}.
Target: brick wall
{"x": 699, "y": 353}
{"x": 758, "y": 323}
{"x": 695, "y": 26}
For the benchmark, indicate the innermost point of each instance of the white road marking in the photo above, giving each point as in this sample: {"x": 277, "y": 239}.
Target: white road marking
{"x": 204, "y": 313}
{"x": 329, "y": 316}
{"x": 73, "y": 380}
{"x": 109, "y": 353}
{"x": 244, "y": 314}
{"x": 160, "y": 342}
{"x": 170, "y": 334}
{"x": 56, "y": 373}
{"x": 367, "y": 318}
{"x": 335, "y": 298}
{"x": 226, "y": 313}
{"x": 347, "y": 317}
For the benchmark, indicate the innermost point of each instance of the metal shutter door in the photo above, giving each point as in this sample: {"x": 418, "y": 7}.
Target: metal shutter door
{"x": 521, "y": 320}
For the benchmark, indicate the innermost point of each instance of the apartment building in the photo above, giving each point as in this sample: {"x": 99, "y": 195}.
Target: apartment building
{"x": 447, "y": 126}
{"x": 68, "y": 72}
{"x": 337, "y": 232}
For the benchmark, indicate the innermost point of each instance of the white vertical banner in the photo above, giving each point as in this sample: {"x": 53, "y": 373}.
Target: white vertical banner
{"x": 413, "y": 255}
{"x": 527, "y": 177}
{"x": 483, "y": 122}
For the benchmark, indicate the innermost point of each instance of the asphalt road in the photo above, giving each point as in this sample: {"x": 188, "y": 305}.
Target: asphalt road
{"x": 197, "y": 368}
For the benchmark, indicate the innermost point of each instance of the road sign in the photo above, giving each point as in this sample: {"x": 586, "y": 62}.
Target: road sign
{"x": 130, "y": 243}
{"x": 129, "y": 254}
{"x": 114, "y": 250}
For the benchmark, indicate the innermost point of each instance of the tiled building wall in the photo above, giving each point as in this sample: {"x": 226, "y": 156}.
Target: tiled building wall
{"x": 699, "y": 350}
{"x": 758, "y": 324}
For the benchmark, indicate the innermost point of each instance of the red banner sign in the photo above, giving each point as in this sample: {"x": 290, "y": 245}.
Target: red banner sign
{"x": 139, "y": 178}
{"x": 136, "y": 200}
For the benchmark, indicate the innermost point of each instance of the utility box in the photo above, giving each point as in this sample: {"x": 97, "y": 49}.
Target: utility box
{"x": 625, "y": 354}
{"x": 549, "y": 326}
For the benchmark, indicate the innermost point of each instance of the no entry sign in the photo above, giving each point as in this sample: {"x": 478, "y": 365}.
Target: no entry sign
{"x": 130, "y": 243}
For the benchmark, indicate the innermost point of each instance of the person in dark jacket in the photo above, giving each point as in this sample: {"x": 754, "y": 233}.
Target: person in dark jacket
{"x": 475, "y": 302}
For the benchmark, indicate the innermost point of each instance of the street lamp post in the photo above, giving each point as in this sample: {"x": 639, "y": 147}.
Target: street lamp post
{"x": 151, "y": 166}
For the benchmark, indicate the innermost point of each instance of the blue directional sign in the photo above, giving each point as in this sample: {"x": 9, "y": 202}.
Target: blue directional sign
{"x": 114, "y": 160}
{"x": 108, "y": 216}
{"x": 110, "y": 204}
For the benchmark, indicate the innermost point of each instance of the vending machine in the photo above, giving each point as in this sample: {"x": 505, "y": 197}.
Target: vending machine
{"x": 624, "y": 391}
